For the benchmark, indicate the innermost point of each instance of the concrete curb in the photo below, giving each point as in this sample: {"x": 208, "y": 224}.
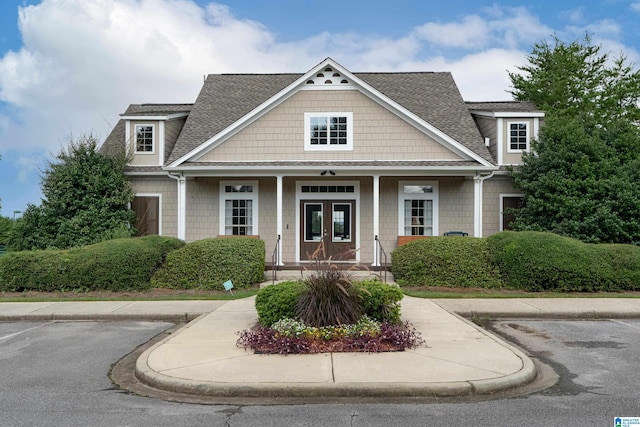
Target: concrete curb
{"x": 524, "y": 376}
{"x": 568, "y": 315}
{"x": 146, "y": 375}
{"x": 158, "y": 380}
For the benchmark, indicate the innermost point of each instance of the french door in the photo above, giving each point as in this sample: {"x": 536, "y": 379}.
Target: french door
{"x": 328, "y": 229}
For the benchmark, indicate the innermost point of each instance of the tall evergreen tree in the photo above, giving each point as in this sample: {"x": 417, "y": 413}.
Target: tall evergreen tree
{"x": 582, "y": 177}
{"x": 86, "y": 199}
{"x": 576, "y": 79}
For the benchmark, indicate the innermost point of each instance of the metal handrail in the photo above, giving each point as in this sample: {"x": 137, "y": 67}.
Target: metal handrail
{"x": 381, "y": 252}
{"x": 275, "y": 261}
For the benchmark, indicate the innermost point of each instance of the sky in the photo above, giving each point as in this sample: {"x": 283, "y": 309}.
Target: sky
{"x": 70, "y": 67}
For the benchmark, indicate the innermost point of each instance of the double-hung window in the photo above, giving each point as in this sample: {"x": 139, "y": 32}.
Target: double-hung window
{"x": 144, "y": 138}
{"x": 238, "y": 208}
{"x": 418, "y": 208}
{"x": 328, "y": 131}
{"x": 518, "y": 136}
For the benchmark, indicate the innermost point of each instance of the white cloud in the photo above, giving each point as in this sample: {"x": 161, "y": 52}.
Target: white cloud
{"x": 471, "y": 32}
{"x": 502, "y": 27}
{"x": 635, "y": 6}
{"x": 82, "y": 62}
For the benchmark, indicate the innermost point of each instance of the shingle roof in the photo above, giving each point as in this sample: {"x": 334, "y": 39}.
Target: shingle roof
{"x": 117, "y": 136}
{"x": 115, "y": 139}
{"x": 225, "y": 98}
{"x": 156, "y": 109}
{"x": 435, "y": 98}
{"x": 504, "y": 106}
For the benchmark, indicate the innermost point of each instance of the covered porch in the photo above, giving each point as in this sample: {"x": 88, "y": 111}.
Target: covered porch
{"x": 357, "y": 215}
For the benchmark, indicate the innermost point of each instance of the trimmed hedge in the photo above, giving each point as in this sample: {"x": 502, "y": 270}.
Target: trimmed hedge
{"x": 445, "y": 261}
{"x": 114, "y": 265}
{"x": 381, "y": 301}
{"x": 537, "y": 261}
{"x": 276, "y": 302}
{"x": 208, "y": 263}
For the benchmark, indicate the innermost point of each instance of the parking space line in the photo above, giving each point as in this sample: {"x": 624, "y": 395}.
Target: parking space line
{"x": 22, "y": 332}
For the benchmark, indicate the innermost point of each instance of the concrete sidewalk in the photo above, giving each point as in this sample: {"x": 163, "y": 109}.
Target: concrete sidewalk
{"x": 459, "y": 358}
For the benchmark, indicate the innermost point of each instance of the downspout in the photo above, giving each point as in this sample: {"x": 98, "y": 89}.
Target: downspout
{"x": 478, "y": 181}
{"x": 181, "y": 180}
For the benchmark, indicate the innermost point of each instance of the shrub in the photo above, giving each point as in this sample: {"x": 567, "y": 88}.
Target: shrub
{"x": 329, "y": 298}
{"x": 625, "y": 264}
{"x": 445, "y": 261}
{"x": 114, "y": 265}
{"x": 537, "y": 261}
{"x": 381, "y": 302}
{"x": 278, "y": 301}
{"x": 208, "y": 263}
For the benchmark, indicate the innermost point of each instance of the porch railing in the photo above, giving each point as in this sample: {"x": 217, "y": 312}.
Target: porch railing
{"x": 275, "y": 261}
{"x": 381, "y": 253}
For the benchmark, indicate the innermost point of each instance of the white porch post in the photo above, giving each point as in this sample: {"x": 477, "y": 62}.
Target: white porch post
{"x": 376, "y": 218}
{"x": 182, "y": 208}
{"x": 279, "y": 216}
{"x": 477, "y": 206}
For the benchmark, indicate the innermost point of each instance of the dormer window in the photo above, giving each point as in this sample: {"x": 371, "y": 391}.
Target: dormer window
{"x": 328, "y": 131}
{"x": 144, "y": 138}
{"x": 518, "y": 137}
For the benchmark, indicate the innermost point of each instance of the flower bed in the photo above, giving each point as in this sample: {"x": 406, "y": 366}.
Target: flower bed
{"x": 289, "y": 336}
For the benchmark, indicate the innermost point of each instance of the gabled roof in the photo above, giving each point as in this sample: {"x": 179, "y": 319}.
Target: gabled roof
{"x": 430, "y": 101}
{"x": 223, "y": 100}
{"x": 435, "y": 98}
{"x": 426, "y": 99}
{"x": 116, "y": 138}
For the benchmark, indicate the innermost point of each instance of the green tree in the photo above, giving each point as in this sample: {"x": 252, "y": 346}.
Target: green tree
{"x": 577, "y": 79}
{"x": 86, "y": 198}
{"x": 5, "y": 228}
{"x": 578, "y": 184}
{"x": 582, "y": 178}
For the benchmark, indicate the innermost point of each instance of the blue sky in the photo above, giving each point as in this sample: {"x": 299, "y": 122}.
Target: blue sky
{"x": 69, "y": 67}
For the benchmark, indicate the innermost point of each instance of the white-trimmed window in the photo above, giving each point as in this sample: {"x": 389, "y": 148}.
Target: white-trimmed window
{"x": 144, "y": 138}
{"x": 518, "y": 137}
{"x": 418, "y": 208}
{"x": 328, "y": 131}
{"x": 239, "y": 208}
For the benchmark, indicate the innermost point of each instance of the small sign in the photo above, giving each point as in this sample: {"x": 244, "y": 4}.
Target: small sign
{"x": 626, "y": 422}
{"x": 228, "y": 286}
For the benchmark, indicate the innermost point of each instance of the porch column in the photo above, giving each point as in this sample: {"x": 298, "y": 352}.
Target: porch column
{"x": 376, "y": 218}
{"x": 477, "y": 206}
{"x": 182, "y": 208}
{"x": 279, "y": 215}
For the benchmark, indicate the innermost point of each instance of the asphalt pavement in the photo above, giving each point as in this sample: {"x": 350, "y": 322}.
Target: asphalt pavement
{"x": 459, "y": 358}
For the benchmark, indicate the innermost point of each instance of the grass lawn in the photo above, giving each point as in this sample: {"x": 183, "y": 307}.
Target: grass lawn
{"x": 195, "y": 294}
{"x": 148, "y": 295}
{"x": 439, "y": 292}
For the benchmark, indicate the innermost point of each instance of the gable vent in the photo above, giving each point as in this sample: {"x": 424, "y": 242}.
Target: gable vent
{"x": 328, "y": 76}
